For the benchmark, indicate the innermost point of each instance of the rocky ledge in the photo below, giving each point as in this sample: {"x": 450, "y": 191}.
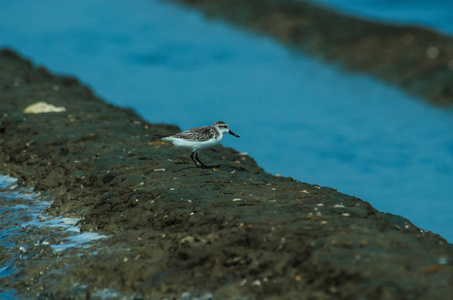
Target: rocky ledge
{"x": 175, "y": 231}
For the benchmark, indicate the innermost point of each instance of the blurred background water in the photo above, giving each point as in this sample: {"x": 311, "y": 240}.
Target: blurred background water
{"x": 297, "y": 116}
{"x": 435, "y": 14}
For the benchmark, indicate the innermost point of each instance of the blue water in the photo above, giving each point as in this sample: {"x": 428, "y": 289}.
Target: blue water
{"x": 435, "y": 14}
{"x": 296, "y": 116}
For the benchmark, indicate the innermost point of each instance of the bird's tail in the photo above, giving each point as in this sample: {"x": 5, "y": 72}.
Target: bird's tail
{"x": 159, "y": 136}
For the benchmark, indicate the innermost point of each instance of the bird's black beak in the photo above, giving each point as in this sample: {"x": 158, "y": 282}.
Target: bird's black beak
{"x": 232, "y": 133}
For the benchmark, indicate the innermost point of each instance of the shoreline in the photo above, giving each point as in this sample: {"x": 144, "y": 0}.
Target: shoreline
{"x": 174, "y": 229}
{"x": 418, "y": 60}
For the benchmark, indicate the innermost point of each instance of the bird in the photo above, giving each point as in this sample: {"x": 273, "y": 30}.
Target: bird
{"x": 199, "y": 138}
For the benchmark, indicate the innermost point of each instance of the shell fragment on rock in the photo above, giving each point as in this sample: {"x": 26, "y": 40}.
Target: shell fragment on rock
{"x": 43, "y": 107}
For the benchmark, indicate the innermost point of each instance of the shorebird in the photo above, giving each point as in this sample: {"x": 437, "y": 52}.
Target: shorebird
{"x": 199, "y": 138}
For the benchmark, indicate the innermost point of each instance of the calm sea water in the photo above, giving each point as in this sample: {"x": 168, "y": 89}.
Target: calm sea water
{"x": 296, "y": 116}
{"x": 435, "y": 14}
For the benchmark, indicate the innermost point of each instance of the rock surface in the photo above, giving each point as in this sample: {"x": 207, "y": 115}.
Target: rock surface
{"x": 177, "y": 231}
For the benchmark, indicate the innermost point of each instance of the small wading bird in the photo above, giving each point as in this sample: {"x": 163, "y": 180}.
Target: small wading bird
{"x": 199, "y": 138}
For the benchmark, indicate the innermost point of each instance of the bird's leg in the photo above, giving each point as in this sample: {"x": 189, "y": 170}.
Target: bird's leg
{"x": 202, "y": 164}
{"x": 191, "y": 156}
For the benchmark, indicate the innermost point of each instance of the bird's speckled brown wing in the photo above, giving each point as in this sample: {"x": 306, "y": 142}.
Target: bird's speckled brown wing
{"x": 203, "y": 133}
